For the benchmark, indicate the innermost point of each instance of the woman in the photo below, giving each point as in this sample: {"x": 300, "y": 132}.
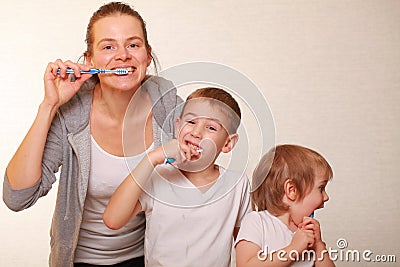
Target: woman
{"x": 80, "y": 126}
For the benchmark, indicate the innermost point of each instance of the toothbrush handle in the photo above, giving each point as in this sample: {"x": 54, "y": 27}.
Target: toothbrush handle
{"x": 169, "y": 160}
{"x": 91, "y": 71}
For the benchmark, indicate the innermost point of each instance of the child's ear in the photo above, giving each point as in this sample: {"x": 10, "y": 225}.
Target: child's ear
{"x": 177, "y": 123}
{"x": 230, "y": 143}
{"x": 290, "y": 190}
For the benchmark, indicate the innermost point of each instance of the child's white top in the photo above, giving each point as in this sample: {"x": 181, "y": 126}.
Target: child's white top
{"x": 188, "y": 227}
{"x": 270, "y": 234}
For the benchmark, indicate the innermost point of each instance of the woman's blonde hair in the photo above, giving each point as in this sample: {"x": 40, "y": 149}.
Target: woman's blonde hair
{"x": 283, "y": 162}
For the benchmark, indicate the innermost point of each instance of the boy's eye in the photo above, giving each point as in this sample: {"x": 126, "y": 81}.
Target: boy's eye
{"x": 212, "y": 128}
{"x": 190, "y": 122}
{"x": 107, "y": 47}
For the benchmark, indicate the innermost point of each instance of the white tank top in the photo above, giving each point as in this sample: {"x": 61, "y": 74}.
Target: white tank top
{"x": 97, "y": 244}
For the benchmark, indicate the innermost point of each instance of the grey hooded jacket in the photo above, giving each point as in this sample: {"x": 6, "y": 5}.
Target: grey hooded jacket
{"x": 68, "y": 145}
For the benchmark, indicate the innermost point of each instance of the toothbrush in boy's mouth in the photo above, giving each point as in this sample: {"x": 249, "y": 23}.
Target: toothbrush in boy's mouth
{"x": 118, "y": 71}
{"x": 172, "y": 160}
{"x": 195, "y": 148}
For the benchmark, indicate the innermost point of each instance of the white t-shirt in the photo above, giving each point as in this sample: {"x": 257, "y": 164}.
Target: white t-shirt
{"x": 270, "y": 234}
{"x": 97, "y": 244}
{"x": 188, "y": 227}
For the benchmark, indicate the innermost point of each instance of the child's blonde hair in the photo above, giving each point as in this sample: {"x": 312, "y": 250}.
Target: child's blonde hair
{"x": 224, "y": 101}
{"x": 300, "y": 164}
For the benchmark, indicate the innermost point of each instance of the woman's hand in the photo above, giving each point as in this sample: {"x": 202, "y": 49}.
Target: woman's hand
{"x": 58, "y": 88}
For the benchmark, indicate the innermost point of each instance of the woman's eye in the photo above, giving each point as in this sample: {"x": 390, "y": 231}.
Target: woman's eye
{"x": 107, "y": 47}
{"x": 133, "y": 45}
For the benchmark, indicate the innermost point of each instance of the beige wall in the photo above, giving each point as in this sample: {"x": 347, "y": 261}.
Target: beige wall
{"x": 329, "y": 69}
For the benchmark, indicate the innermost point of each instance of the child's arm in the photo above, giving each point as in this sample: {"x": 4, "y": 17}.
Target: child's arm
{"x": 124, "y": 203}
{"x": 248, "y": 254}
{"x": 321, "y": 252}
{"x": 323, "y": 259}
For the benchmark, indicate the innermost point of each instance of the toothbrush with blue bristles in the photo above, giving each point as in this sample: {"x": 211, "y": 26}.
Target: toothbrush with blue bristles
{"x": 121, "y": 71}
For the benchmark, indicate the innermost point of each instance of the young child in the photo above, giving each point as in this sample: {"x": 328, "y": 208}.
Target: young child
{"x": 193, "y": 207}
{"x": 288, "y": 185}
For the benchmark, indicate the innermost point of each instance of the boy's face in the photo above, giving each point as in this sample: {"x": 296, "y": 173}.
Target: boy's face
{"x": 315, "y": 198}
{"x": 204, "y": 126}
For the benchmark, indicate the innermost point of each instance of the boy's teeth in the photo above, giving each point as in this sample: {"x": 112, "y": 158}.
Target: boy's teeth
{"x": 198, "y": 149}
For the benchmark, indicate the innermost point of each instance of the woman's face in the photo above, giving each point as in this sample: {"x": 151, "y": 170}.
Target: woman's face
{"x": 118, "y": 42}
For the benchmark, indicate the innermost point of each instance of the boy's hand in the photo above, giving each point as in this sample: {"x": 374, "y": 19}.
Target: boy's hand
{"x": 319, "y": 246}
{"x": 172, "y": 149}
{"x": 302, "y": 240}
{"x": 313, "y": 225}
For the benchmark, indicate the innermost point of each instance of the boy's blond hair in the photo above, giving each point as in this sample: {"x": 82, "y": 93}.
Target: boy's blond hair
{"x": 300, "y": 164}
{"x": 224, "y": 101}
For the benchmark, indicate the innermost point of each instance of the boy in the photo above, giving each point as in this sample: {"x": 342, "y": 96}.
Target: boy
{"x": 192, "y": 206}
{"x": 289, "y": 185}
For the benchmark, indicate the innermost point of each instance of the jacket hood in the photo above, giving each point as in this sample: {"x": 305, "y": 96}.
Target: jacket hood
{"x": 166, "y": 104}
